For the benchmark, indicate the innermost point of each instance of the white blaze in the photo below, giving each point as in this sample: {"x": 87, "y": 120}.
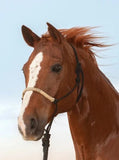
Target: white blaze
{"x": 34, "y": 70}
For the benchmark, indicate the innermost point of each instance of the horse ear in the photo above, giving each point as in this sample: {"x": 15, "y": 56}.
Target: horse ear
{"x": 30, "y": 37}
{"x": 55, "y": 34}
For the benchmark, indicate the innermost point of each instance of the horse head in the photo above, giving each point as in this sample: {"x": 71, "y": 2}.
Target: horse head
{"x": 49, "y": 68}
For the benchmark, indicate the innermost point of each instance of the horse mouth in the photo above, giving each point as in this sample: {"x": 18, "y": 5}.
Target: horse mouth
{"x": 32, "y": 136}
{"x": 35, "y": 137}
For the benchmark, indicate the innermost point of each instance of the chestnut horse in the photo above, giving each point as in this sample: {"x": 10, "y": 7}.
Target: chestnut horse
{"x": 94, "y": 119}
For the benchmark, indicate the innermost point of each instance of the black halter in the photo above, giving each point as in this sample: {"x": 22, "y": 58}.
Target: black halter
{"x": 78, "y": 71}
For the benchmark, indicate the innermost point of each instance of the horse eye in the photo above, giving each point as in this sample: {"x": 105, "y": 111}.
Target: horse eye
{"x": 56, "y": 68}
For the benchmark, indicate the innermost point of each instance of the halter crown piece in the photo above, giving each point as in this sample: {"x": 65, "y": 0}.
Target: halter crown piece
{"x": 46, "y": 135}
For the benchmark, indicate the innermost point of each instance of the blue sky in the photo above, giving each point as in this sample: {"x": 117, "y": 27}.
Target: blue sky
{"x": 14, "y": 53}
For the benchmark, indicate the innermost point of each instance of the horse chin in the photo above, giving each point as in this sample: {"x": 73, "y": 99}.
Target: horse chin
{"x": 38, "y": 137}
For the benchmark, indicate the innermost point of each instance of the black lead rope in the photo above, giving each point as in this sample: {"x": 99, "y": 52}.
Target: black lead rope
{"x": 46, "y": 135}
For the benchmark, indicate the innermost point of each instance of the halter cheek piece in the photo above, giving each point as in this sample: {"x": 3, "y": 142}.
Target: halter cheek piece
{"x": 78, "y": 71}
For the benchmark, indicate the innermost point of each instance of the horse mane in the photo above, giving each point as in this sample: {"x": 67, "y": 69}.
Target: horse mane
{"x": 81, "y": 37}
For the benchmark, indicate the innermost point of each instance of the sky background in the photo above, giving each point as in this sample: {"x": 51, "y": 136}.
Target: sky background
{"x": 14, "y": 53}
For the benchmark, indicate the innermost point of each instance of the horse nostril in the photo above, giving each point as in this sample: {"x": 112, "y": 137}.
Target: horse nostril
{"x": 33, "y": 124}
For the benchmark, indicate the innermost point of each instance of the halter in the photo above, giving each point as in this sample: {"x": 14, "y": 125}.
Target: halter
{"x": 78, "y": 71}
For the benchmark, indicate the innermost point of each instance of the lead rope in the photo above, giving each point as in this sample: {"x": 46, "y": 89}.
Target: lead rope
{"x": 46, "y": 135}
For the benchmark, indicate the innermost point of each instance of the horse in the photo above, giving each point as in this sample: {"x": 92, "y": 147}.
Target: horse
{"x": 50, "y": 73}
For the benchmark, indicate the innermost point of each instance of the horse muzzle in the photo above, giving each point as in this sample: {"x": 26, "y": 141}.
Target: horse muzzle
{"x": 31, "y": 128}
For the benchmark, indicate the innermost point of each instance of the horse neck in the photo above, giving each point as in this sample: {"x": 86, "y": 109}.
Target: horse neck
{"x": 94, "y": 117}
